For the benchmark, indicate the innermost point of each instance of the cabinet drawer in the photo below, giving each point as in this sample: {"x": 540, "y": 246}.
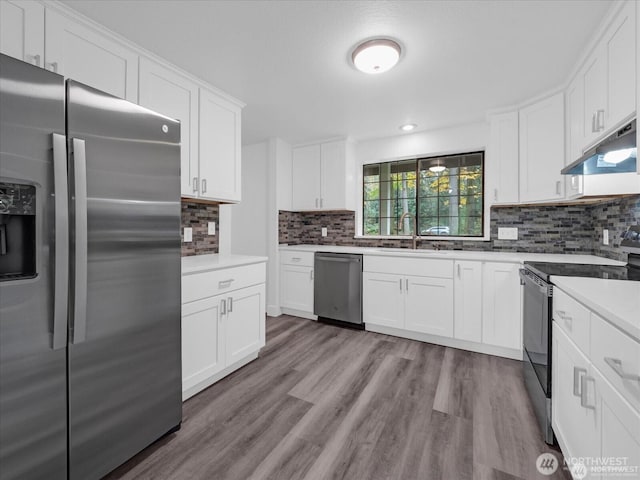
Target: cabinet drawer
{"x": 421, "y": 267}
{"x": 617, "y": 356}
{"x": 208, "y": 284}
{"x": 297, "y": 258}
{"x": 572, "y": 318}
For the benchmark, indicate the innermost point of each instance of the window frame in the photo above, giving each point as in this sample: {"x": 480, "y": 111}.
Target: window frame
{"x": 484, "y": 228}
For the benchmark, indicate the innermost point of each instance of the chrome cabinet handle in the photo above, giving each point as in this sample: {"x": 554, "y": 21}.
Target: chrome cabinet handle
{"x": 459, "y": 274}
{"x": 600, "y": 120}
{"x": 558, "y": 188}
{"x": 577, "y": 376}
{"x": 204, "y": 186}
{"x": 61, "y": 284}
{"x": 584, "y": 392}
{"x": 80, "y": 272}
{"x": 33, "y": 59}
{"x": 225, "y": 283}
{"x": 495, "y": 194}
{"x": 223, "y": 307}
{"x": 194, "y": 184}
{"x": 593, "y": 122}
{"x": 568, "y": 320}
{"x": 311, "y": 274}
{"x": 616, "y": 366}
{"x": 321, "y": 202}
{"x": 52, "y": 66}
{"x": 230, "y": 305}
{"x": 406, "y": 284}
{"x": 316, "y": 203}
{"x": 400, "y": 284}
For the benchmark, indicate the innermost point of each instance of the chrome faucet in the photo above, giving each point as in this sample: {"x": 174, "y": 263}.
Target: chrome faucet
{"x": 415, "y": 227}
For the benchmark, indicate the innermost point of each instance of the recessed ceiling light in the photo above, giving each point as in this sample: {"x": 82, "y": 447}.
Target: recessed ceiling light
{"x": 407, "y": 127}
{"x": 376, "y": 56}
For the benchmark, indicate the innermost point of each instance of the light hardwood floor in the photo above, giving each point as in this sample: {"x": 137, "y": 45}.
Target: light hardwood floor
{"x": 323, "y": 402}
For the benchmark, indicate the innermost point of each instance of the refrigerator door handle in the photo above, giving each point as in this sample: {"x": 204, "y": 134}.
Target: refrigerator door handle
{"x": 61, "y": 203}
{"x": 80, "y": 207}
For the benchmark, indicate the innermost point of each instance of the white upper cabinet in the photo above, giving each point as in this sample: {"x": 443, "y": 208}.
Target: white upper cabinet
{"x": 323, "y": 177}
{"x": 82, "y": 53}
{"x": 609, "y": 78}
{"x": 574, "y": 108}
{"x": 167, "y": 92}
{"x": 22, "y": 30}
{"x": 542, "y": 150}
{"x": 220, "y": 145}
{"x": 502, "y": 162}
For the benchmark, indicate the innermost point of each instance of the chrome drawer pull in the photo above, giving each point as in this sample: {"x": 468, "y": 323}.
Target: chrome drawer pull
{"x": 583, "y": 393}
{"x": 616, "y": 366}
{"x": 577, "y": 372}
{"x": 295, "y": 259}
{"x": 225, "y": 283}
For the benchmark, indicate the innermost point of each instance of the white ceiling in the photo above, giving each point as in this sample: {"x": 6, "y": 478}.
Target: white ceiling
{"x": 289, "y": 60}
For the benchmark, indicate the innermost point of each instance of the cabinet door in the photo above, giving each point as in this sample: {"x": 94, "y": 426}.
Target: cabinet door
{"x": 622, "y": 56}
{"x": 297, "y": 287}
{"x": 502, "y": 165}
{"x": 306, "y": 178}
{"x": 542, "y": 150}
{"x": 78, "y": 52}
{"x": 429, "y": 305}
{"x": 620, "y": 425}
{"x": 383, "y": 299}
{"x": 332, "y": 176}
{"x": 22, "y": 30}
{"x": 202, "y": 344}
{"x": 501, "y": 305}
{"x": 576, "y": 427}
{"x": 220, "y": 173}
{"x": 175, "y": 96}
{"x": 595, "y": 92}
{"x": 468, "y": 301}
{"x": 244, "y": 323}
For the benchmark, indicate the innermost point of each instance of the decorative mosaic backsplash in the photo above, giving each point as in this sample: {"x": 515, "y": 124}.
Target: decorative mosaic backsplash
{"x": 197, "y": 216}
{"x": 575, "y": 228}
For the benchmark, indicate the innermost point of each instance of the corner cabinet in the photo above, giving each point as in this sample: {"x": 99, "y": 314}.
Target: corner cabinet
{"x": 323, "y": 176}
{"x": 502, "y": 161}
{"x": 223, "y": 323}
{"x": 542, "y": 150}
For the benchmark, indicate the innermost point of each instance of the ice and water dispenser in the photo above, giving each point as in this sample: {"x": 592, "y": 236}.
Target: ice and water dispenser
{"x": 17, "y": 231}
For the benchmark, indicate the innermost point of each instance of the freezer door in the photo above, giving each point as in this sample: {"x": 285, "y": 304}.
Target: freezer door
{"x": 33, "y": 401}
{"x": 124, "y": 350}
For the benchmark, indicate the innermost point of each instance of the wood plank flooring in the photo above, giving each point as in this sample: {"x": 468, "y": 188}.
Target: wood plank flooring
{"x": 323, "y": 402}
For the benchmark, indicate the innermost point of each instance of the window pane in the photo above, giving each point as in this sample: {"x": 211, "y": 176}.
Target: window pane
{"x": 471, "y": 206}
{"x": 428, "y": 207}
{"x": 371, "y": 226}
{"x": 371, "y": 191}
{"x": 371, "y": 209}
{"x": 371, "y": 173}
{"x": 470, "y": 184}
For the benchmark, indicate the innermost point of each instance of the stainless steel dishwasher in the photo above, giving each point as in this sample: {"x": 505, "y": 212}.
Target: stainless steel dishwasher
{"x": 337, "y": 292}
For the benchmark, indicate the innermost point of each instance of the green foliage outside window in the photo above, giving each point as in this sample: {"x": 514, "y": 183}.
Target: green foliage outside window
{"x": 445, "y": 203}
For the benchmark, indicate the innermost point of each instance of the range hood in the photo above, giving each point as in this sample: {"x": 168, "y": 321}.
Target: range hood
{"x": 615, "y": 154}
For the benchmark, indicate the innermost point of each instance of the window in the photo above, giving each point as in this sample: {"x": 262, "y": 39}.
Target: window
{"x": 444, "y": 194}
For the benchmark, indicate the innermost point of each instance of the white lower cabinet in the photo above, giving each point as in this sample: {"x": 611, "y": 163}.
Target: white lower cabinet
{"x": 592, "y": 419}
{"x": 222, "y": 332}
{"x": 296, "y": 283}
{"x": 468, "y": 298}
{"x": 501, "y": 305}
{"x": 383, "y": 299}
{"x": 429, "y": 305}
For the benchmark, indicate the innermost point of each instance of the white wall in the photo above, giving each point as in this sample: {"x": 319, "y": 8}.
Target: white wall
{"x": 249, "y": 217}
{"x": 462, "y": 138}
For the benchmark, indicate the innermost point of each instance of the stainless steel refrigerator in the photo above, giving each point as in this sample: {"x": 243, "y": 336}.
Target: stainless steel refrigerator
{"x": 89, "y": 277}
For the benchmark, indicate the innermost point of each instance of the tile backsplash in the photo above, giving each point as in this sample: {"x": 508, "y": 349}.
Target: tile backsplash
{"x": 198, "y": 216}
{"x": 575, "y": 228}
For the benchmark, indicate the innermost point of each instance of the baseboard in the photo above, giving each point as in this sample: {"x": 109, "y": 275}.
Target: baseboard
{"x": 198, "y": 387}
{"x": 299, "y": 313}
{"x": 448, "y": 342}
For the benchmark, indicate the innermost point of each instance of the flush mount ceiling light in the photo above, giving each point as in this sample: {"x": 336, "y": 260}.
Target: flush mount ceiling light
{"x": 437, "y": 167}
{"x": 407, "y": 127}
{"x": 376, "y": 56}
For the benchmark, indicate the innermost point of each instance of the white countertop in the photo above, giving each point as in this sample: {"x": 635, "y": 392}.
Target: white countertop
{"x": 516, "y": 257}
{"x": 215, "y": 261}
{"x": 617, "y": 301}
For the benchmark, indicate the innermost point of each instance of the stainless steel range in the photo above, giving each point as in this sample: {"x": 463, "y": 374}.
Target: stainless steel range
{"x": 537, "y": 308}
